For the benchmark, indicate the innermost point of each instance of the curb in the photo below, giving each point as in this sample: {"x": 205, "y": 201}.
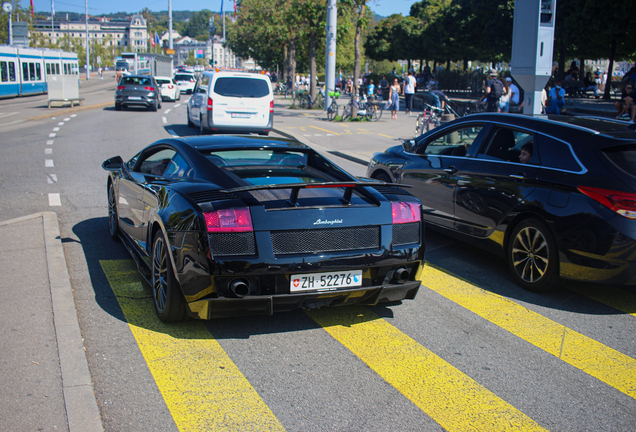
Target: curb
{"x": 79, "y": 397}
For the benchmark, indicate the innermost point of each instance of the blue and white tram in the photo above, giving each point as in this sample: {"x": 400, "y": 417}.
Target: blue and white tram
{"x": 24, "y": 71}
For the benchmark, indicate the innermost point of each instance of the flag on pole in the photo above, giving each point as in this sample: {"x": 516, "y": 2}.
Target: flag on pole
{"x": 52, "y": 8}
{"x": 153, "y": 42}
{"x": 221, "y": 6}
{"x": 32, "y": 12}
{"x": 157, "y": 38}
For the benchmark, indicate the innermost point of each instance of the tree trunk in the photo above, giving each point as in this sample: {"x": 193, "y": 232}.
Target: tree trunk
{"x": 356, "y": 67}
{"x": 421, "y": 66}
{"x": 285, "y": 65}
{"x": 465, "y": 64}
{"x": 448, "y": 65}
{"x": 292, "y": 63}
{"x": 608, "y": 81}
{"x": 561, "y": 71}
{"x": 312, "y": 65}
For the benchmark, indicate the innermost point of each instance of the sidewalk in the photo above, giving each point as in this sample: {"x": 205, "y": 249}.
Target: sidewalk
{"x": 46, "y": 381}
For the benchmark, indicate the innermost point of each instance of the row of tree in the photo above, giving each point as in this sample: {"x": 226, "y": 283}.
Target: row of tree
{"x": 440, "y": 31}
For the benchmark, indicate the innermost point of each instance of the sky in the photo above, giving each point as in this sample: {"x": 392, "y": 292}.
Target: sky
{"x": 98, "y": 7}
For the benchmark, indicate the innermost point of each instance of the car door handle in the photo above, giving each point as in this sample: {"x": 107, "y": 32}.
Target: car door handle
{"x": 451, "y": 170}
{"x": 520, "y": 176}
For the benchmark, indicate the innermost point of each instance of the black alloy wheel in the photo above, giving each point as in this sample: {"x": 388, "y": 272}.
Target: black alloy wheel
{"x": 533, "y": 257}
{"x": 113, "y": 221}
{"x": 169, "y": 302}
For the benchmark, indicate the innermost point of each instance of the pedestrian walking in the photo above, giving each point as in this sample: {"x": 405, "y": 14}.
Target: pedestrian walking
{"x": 494, "y": 90}
{"x": 394, "y": 98}
{"x": 409, "y": 91}
{"x": 118, "y": 75}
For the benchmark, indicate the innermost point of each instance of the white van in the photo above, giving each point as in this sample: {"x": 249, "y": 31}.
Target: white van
{"x": 232, "y": 102}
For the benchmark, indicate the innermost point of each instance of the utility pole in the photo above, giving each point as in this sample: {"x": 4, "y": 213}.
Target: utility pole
{"x": 170, "y": 24}
{"x": 52, "y": 21}
{"x": 88, "y": 73}
{"x": 330, "y": 66}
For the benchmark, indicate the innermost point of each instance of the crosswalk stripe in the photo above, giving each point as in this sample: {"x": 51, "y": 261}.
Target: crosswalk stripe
{"x": 202, "y": 387}
{"x": 448, "y": 396}
{"x": 602, "y": 362}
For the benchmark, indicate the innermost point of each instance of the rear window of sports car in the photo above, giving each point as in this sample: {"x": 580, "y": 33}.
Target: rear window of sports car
{"x": 241, "y": 87}
{"x": 264, "y": 167}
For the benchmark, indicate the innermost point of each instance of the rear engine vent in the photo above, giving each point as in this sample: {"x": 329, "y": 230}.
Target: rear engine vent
{"x": 404, "y": 234}
{"x": 211, "y": 195}
{"x": 325, "y": 240}
{"x": 238, "y": 243}
{"x": 391, "y": 190}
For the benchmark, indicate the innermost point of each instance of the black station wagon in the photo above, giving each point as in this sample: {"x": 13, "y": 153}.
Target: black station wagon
{"x": 555, "y": 196}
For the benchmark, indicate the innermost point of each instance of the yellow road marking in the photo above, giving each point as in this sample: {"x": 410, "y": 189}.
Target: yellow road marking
{"x": 386, "y": 136}
{"x": 325, "y": 130}
{"x": 202, "y": 387}
{"x": 608, "y": 365}
{"x": 448, "y": 396}
{"x": 612, "y": 297}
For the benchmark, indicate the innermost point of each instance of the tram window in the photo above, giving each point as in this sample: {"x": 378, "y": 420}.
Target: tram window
{"x": 38, "y": 71}
{"x": 4, "y": 72}
{"x": 48, "y": 68}
{"x": 65, "y": 69}
{"x": 57, "y": 69}
{"x": 25, "y": 71}
{"x": 32, "y": 71}
{"x": 11, "y": 71}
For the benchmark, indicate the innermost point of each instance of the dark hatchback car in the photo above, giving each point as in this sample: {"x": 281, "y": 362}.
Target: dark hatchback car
{"x": 555, "y": 196}
{"x": 237, "y": 225}
{"x": 138, "y": 91}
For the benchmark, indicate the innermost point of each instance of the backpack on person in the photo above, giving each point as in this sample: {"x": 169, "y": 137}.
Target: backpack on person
{"x": 496, "y": 89}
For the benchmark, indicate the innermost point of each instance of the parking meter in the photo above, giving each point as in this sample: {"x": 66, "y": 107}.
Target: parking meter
{"x": 532, "y": 45}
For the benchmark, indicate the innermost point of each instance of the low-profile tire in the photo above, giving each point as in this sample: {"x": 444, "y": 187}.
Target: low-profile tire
{"x": 190, "y": 123}
{"x": 168, "y": 299}
{"x": 533, "y": 257}
{"x": 113, "y": 219}
{"x": 154, "y": 107}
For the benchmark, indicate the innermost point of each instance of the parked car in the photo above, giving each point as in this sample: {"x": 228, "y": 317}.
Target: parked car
{"x": 556, "y": 197}
{"x": 138, "y": 91}
{"x": 236, "y": 102}
{"x": 185, "y": 81}
{"x": 237, "y": 225}
{"x": 169, "y": 88}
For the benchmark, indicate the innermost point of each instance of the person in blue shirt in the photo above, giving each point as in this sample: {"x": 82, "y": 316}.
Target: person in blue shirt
{"x": 556, "y": 99}
{"x": 371, "y": 90}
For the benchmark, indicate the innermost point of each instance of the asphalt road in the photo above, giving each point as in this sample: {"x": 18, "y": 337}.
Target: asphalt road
{"x": 472, "y": 352}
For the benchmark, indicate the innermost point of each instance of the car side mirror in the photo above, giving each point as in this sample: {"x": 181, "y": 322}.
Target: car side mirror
{"x": 113, "y": 164}
{"x": 409, "y": 146}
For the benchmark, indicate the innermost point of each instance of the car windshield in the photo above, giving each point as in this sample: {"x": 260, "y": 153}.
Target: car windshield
{"x": 241, "y": 87}
{"x": 182, "y": 77}
{"x": 131, "y": 80}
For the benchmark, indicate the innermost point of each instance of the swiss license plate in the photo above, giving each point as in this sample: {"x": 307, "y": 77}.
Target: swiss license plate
{"x": 325, "y": 281}
{"x": 134, "y": 97}
{"x": 240, "y": 115}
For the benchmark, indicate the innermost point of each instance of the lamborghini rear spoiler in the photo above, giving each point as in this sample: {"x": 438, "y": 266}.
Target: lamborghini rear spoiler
{"x": 296, "y": 187}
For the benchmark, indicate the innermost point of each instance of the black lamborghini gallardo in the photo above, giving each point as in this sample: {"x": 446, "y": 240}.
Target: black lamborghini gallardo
{"x": 241, "y": 225}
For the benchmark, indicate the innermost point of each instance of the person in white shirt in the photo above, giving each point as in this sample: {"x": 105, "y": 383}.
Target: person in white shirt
{"x": 409, "y": 91}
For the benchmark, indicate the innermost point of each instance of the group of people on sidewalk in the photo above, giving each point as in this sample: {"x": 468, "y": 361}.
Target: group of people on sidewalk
{"x": 501, "y": 95}
{"x": 395, "y": 90}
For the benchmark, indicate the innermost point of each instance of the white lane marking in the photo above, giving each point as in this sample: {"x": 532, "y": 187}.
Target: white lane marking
{"x": 48, "y": 163}
{"x": 73, "y": 115}
{"x": 48, "y": 151}
{"x": 60, "y": 124}
{"x": 54, "y": 199}
{"x": 52, "y": 135}
{"x": 49, "y": 142}
{"x": 171, "y": 132}
{"x": 177, "y": 105}
{"x": 164, "y": 120}
{"x": 51, "y": 178}
{"x": 167, "y": 111}
{"x": 8, "y": 114}
{"x": 67, "y": 119}
{"x": 55, "y": 129}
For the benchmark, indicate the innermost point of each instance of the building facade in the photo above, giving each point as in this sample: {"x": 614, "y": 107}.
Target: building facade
{"x": 126, "y": 35}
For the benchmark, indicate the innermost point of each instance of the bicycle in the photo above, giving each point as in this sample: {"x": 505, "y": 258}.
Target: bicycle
{"x": 332, "y": 110}
{"x": 429, "y": 119}
{"x": 369, "y": 111}
{"x": 307, "y": 103}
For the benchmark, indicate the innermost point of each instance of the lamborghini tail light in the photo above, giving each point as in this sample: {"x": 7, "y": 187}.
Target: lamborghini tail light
{"x": 229, "y": 220}
{"x": 622, "y": 203}
{"x": 405, "y": 212}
